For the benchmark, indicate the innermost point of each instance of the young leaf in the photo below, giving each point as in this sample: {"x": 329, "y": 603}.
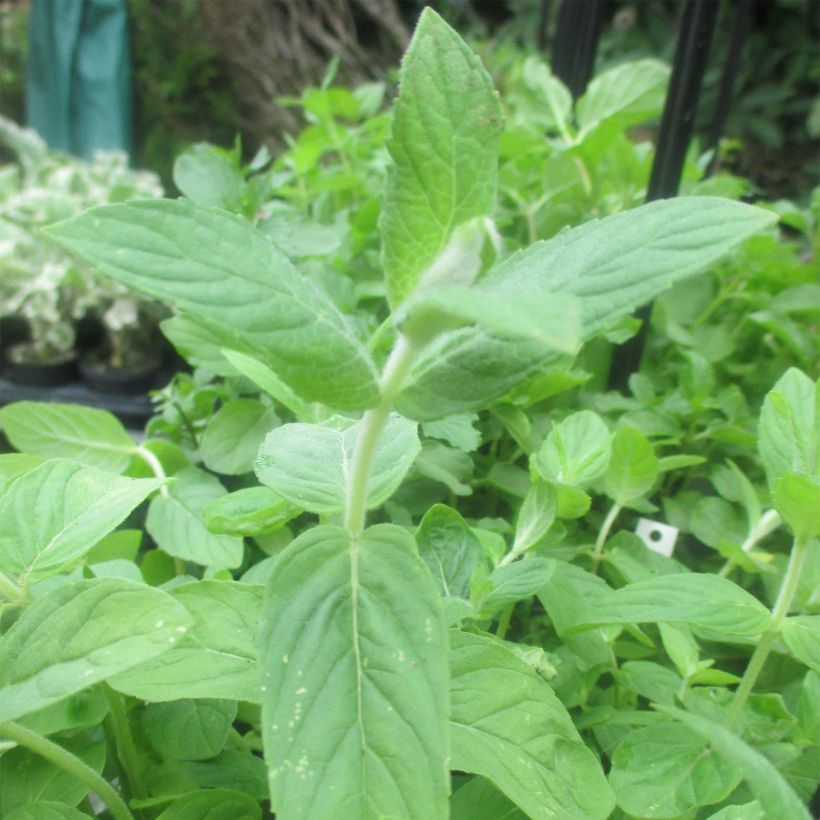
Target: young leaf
{"x": 613, "y": 266}
{"x": 633, "y": 467}
{"x": 801, "y": 634}
{"x": 188, "y": 729}
{"x": 77, "y": 636}
{"x": 458, "y": 431}
{"x": 216, "y": 658}
{"x": 576, "y": 452}
{"x": 667, "y": 770}
{"x": 308, "y": 464}
{"x": 789, "y": 430}
{"x": 214, "y": 804}
{"x": 92, "y": 437}
{"x": 508, "y": 726}
{"x": 252, "y": 511}
{"x": 631, "y": 93}
{"x": 233, "y": 436}
{"x": 450, "y": 549}
{"x": 264, "y": 378}
{"x": 797, "y": 499}
{"x": 444, "y": 146}
{"x": 536, "y": 517}
{"x": 75, "y": 507}
{"x": 217, "y": 267}
{"x": 514, "y": 582}
{"x": 355, "y": 698}
{"x": 209, "y": 176}
{"x": 698, "y": 599}
{"x": 478, "y": 799}
{"x": 175, "y": 522}
{"x": 765, "y": 782}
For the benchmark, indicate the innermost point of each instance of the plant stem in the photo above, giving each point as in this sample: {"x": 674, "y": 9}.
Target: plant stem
{"x": 504, "y": 622}
{"x": 769, "y": 521}
{"x": 372, "y": 426}
{"x": 126, "y": 749}
{"x": 785, "y": 596}
{"x": 155, "y": 464}
{"x": 69, "y": 763}
{"x": 9, "y": 590}
{"x": 603, "y": 535}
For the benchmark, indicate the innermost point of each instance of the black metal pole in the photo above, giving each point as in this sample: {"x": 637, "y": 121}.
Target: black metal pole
{"x": 697, "y": 25}
{"x": 740, "y": 28}
{"x": 576, "y": 42}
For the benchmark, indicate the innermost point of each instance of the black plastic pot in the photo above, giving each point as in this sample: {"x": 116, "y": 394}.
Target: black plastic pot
{"x": 119, "y": 382}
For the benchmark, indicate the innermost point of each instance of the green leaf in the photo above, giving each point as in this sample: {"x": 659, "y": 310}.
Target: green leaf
{"x": 444, "y": 145}
{"x": 198, "y": 343}
{"x": 478, "y": 799}
{"x": 75, "y": 507}
{"x": 515, "y": 582}
{"x": 249, "y": 512}
{"x": 175, "y": 522}
{"x": 46, "y": 810}
{"x": 27, "y": 779}
{"x": 789, "y": 430}
{"x": 452, "y": 468}
{"x": 217, "y": 657}
{"x": 188, "y": 729}
{"x": 354, "y": 704}
{"x": 746, "y": 811}
{"x": 264, "y": 378}
{"x": 217, "y": 267}
{"x": 13, "y": 465}
{"x": 309, "y": 464}
{"x": 508, "y": 726}
{"x": 801, "y": 634}
{"x": 536, "y": 517}
{"x": 551, "y": 319}
{"x": 209, "y": 176}
{"x": 576, "y": 452}
{"x": 667, "y": 770}
{"x": 613, "y": 266}
{"x": 630, "y": 93}
{"x": 77, "y": 636}
{"x": 764, "y": 781}
{"x": 633, "y": 467}
{"x": 239, "y": 770}
{"x": 797, "y": 499}
{"x": 457, "y": 430}
{"x": 698, "y": 599}
{"x": 84, "y": 434}
{"x": 233, "y": 436}
{"x": 213, "y": 804}
{"x": 450, "y": 549}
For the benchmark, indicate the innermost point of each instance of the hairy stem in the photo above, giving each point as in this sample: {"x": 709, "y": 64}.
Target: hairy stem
{"x": 124, "y": 739}
{"x": 372, "y": 427}
{"x": 769, "y": 521}
{"x": 156, "y": 466}
{"x": 69, "y": 763}
{"x": 785, "y": 596}
{"x": 603, "y": 535}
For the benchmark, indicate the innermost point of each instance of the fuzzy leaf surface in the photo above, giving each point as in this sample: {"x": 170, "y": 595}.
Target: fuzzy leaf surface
{"x": 355, "y": 685}
{"x": 309, "y": 464}
{"x": 508, "y": 726}
{"x": 77, "y": 636}
{"x": 87, "y": 435}
{"x": 444, "y": 145}
{"x": 75, "y": 507}
{"x": 216, "y": 266}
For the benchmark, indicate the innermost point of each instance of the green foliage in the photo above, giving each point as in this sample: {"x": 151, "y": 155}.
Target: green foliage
{"x": 435, "y": 603}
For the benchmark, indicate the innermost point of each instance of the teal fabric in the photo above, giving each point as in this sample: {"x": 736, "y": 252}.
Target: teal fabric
{"x": 78, "y": 83}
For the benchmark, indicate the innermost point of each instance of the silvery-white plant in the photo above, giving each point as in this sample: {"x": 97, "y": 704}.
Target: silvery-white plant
{"x": 41, "y": 283}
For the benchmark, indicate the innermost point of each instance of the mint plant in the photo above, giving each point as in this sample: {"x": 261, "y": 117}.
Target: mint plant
{"x": 330, "y": 639}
